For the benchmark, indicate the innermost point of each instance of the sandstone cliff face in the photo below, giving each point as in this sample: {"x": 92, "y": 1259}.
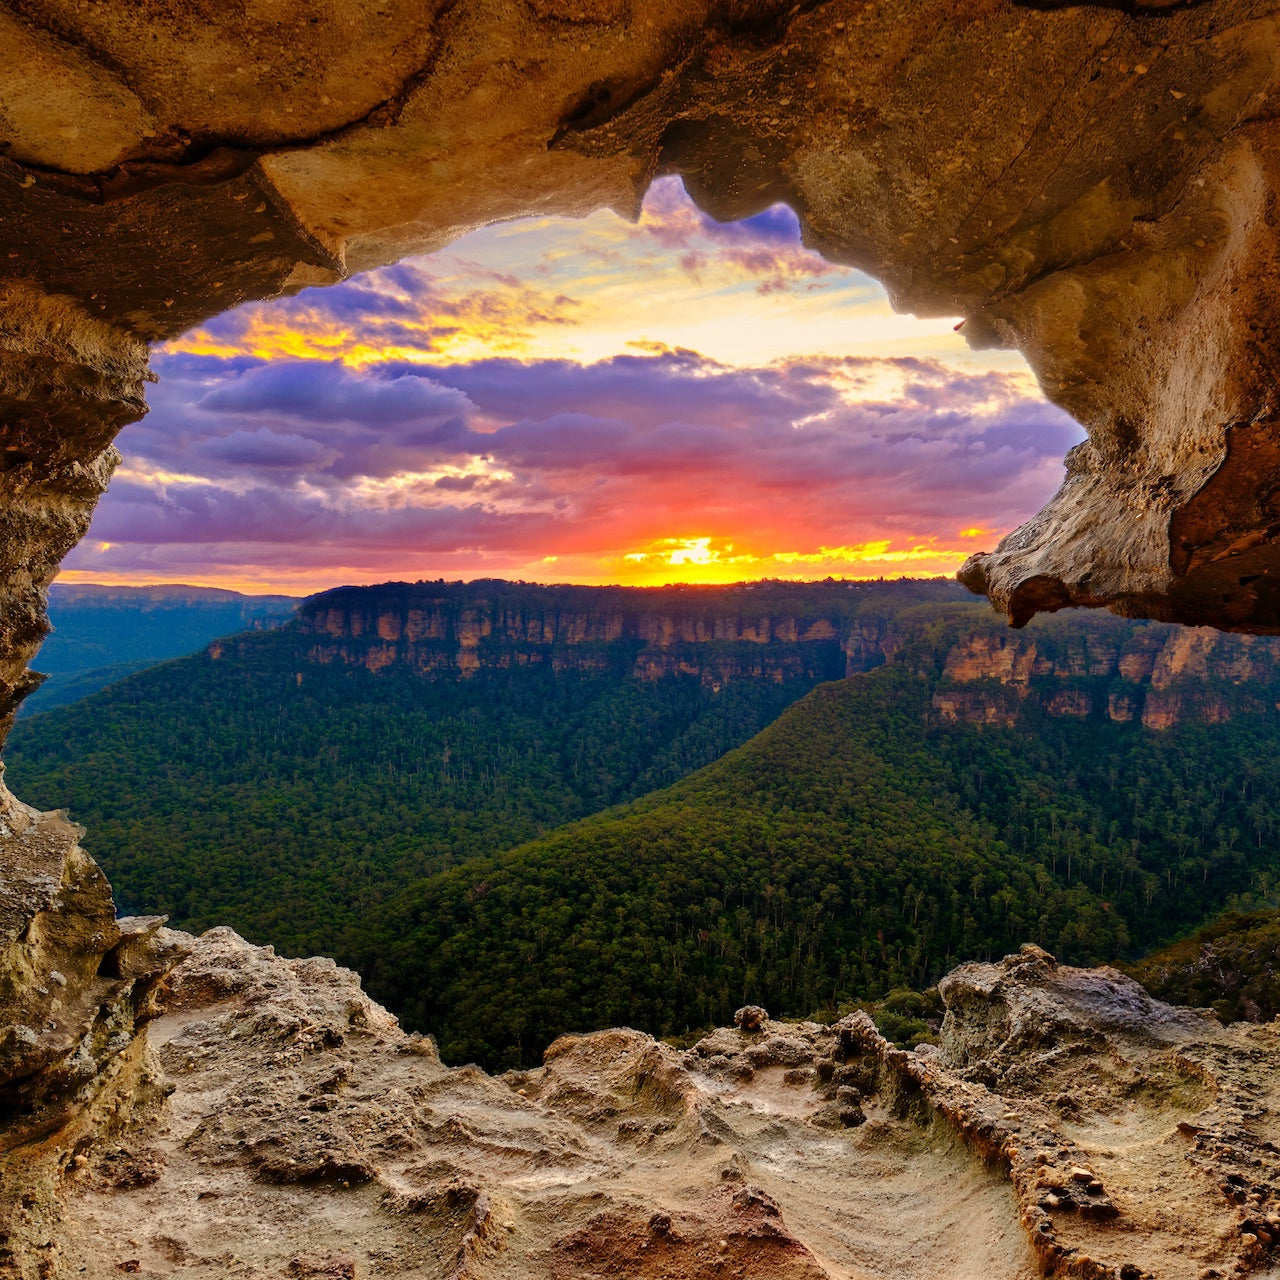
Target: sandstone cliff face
{"x": 1161, "y": 676}
{"x": 1067, "y": 1125}
{"x": 1089, "y": 665}
{"x": 756, "y": 631}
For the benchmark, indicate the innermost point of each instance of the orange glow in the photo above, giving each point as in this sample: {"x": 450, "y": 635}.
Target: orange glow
{"x": 711, "y": 561}
{"x": 477, "y": 333}
{"x": 694, "y": 560}
{"x": 581, "y": 401}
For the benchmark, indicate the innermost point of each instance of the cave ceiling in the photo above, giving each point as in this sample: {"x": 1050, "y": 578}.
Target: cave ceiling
{"x": 1092, "y": 184}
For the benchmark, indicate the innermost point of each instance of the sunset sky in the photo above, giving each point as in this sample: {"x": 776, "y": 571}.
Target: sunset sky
{"x": 577, "y": 401}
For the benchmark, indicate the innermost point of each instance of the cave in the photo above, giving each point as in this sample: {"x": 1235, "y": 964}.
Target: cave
{"x": 1093, "y": 184}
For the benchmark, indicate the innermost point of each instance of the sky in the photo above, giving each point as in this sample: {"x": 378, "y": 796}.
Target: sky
{"x": 595, "y": 401}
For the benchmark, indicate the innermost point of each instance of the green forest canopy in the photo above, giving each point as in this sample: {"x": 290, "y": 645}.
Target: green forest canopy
{"x": 853, "y": 846}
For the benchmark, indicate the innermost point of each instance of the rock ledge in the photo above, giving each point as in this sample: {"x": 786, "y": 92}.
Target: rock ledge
{"x": 1067, "y": 1124}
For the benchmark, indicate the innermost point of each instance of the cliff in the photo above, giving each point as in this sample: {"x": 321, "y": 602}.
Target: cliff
{"x": 768, "y": 630}
{"x": 1081, "y": 665}
{"x": 1096, "y": 666}
{"x": 1067, "y": 1124}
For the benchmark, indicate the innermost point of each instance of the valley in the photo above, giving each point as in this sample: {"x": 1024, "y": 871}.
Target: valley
{"x": 102, "y": 634}
{"x": 520, "y": 810}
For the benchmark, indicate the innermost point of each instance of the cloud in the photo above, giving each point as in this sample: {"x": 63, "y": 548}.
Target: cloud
{"x": 301, "y": 471}
{"x": 539, "y": 400}
{"x": 266, "y": 450}
{"x": 410, "y": 308}
{"x": 765, "y": 249}
{"x": 457, "y": 305}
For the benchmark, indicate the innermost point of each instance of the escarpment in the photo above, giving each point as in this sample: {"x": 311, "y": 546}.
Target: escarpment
{"x": 756, "y": 630}
{"x": 1091, "y": 665}
{"x": 766, "y": 630}
{"x": 1159, "y": 675}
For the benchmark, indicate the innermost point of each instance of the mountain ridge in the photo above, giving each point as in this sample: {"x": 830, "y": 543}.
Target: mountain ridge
{"x": 1105, "y": 665}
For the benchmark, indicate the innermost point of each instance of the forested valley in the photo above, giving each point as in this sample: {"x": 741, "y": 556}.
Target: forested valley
{"x": 511, "y": 837}
{"x": 232, "y": 792}
{"x": 851, "y": 847}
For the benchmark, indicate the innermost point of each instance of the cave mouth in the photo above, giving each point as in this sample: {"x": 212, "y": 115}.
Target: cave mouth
{"x": 587, "y": 400}
{"x": 1093, "y": 187}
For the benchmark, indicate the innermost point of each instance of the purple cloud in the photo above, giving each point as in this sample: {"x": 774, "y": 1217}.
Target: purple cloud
{"x": 246, "y": 464}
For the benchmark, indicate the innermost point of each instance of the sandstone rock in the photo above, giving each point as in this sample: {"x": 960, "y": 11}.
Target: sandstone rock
{"x": 76, "y": 986}
{"x": 74, "y": 981}
{"x": 1010, "y": 166}
{"x": 552, "y": 1169}
{"x": 1027, "y": 1004}
{"x": 621, "y": 1154}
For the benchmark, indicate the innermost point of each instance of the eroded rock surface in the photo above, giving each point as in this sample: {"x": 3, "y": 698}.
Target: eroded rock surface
{"x": 76, "y": 987}
{"x": 1068, "y": 1124}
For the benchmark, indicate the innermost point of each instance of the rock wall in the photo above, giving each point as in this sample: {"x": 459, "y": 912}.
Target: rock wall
{"x": 76, "y": 987}
{"x": 719, "y": 634}
{"x": 1160, "y": 675}
{"x": 1087, "y": 665}
{"x": 68, "y": 383}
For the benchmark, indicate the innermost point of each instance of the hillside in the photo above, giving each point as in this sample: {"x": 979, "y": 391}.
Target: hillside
{"x": 394, "y": 779}
{"x": 102, "y": 634}
{"x": 283, "y": 782}
{"x": 1231, "y": 965}
{"x": 859, "y": 843}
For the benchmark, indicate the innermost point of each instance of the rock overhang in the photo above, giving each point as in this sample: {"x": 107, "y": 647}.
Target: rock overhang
{"x": 1093, "y": 184}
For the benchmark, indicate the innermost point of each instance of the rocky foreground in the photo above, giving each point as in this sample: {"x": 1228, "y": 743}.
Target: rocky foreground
{"x": 281, "y": 1124}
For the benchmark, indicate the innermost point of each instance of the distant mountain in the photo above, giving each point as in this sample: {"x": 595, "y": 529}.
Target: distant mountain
{"x": 102, "y": 634}
{"x": 1079, "y": 664}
